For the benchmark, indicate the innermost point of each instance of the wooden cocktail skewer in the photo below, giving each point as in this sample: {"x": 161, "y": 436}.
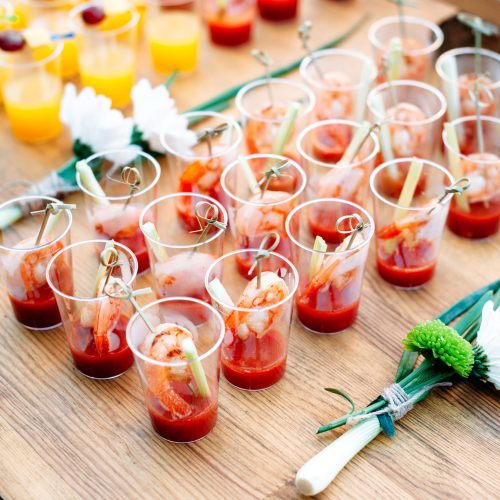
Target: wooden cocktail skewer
{"x": 264, "y": 253}
{"x": 51, "y": 209}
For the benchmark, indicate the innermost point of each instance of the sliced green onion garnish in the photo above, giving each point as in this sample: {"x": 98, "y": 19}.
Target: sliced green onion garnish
{"x": 149, "y": 229}
{"x": 357, "y": 139}
{"x": 451, "y": 87}
{"x": 320, "y": 247}
{"x": 286, "y": 127}
{"x": 409, "y": 187}
{"x": 217, "y": 290}
{"x": 455, "y": 164}
{"x": 363, "y": 91}
{"x": 90, "y": 182}
{"x": 189, "y": 350}
{"x": 252, "y": 183}
{"x": 394, "y": 57}
{"x": 384, "y": 134}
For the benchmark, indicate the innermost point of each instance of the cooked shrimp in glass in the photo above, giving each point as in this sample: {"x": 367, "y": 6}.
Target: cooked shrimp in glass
{"x": 407, "y": 134}
{"x": 337, "y": 101}
{"x": 466, "y": 83}
{"x": 413, "y": 65}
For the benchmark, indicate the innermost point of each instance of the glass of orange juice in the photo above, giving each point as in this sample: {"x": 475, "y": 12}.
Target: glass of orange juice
{"x": 52, "y": 15}
{"x": 173, "y": 34}
{"x": 32, "y": 89}
{"x": 106, "y": 50}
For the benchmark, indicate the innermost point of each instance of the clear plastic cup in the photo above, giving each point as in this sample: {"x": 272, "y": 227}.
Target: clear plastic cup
{"x": 457, "y": 91}
{"x": 52, "y": 15}
{"x": 95, "y": 324}
{"x": 341, "y": 83}
{"x": 24, "y": 262}
{"x": 116, "y": 215}
{"x": 265, "y": 121}
{"x": 32, "y": 89}
{"x": 321, "y": 147}
{"x": 420, "y": 42}
{"x": 107, "y": 52}
{"x": 179, "y": 260}
{"x": 253, "y": 216}
{"x": 408, "y": 238}
{"x": 479, "y": 216}
{"x": 257, "y": 320}
{"x": 411, "y": 117}
{"x": 198, "y": 169}
{"x": 173, "y": 34}
{"x": 330, "y": 281}
{"x": 181, "y": 404}
{"x": 232, "y": 24}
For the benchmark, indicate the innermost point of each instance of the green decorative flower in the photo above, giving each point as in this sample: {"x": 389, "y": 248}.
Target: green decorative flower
{"x": 435, "y": 339}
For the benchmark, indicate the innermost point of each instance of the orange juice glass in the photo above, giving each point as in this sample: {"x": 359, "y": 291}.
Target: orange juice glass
{"x": 53, "y": 16}
{"x": 173, "y": 34}
{"x": 107, "y": 53}
{"x": 32, "y": 90}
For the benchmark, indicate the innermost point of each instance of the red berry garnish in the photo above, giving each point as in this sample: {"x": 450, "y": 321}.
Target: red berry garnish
{"x": 93, "y": 15}
{"x": 11, "y": 41}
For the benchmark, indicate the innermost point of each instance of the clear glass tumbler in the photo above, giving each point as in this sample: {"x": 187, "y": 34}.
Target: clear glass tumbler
{"x": 409, "y": 236}
{"x": 321, "y": 147}
{"x": 273, "y": 114}
{"x": 173, "y": 34}
{"x": 340, "y": 80}
{"x": 198, "y": 169}
{"x": 32, "y": 90}
{"x": 411, "y": 114}
{"x": 24, "y": 261}
{"x": 457, "y": 70}
{"x": 420, "y": 40}
{"x": 476, "y": 214}
{"x": 181, "y": 386}
{"x": 179, "y": 256}
{"x": 330, "y": 277}
{"x": 95, "y": 324}
{"x": 254, "y": 214}
{"x": 107, "y": 52}
{"x": 257, "y": 318}
{"x": 115, "y": 216}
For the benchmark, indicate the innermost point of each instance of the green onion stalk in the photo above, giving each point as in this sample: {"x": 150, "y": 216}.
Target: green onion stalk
{"x": 448, "y": 357}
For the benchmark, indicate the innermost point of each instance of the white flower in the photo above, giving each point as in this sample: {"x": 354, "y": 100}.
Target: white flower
{"x": 155, "y": 114}
{"x": 488, "y": 337}
{"x": 91, "y": 120}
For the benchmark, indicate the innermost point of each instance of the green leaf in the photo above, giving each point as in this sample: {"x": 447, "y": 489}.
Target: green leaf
{"x": 171, "y": 79}
{"x": 406, "y": 365}
{"x": 344, "y": 395}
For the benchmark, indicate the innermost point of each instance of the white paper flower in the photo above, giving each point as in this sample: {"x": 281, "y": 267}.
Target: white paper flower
{"x": 91, "y": 120}
{"x": 488, "y": 338}
{"x": 155, "y": 113}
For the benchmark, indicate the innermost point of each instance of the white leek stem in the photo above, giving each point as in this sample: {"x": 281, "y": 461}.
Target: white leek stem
{"x": 363, "y": 91}
{"x": 286, "y": 127}
{"x": 149, "y": 229}
{"x": 316, "y": 474}
{"x": 455, "y": 164}
{"x": 9, "y": 215}
{"x": 253, "y": 185}
{"x": 409, "y": 187}
{"x": 394, "y": 56}
{"x": 189, "y": 350}
{"x": 90, "y": 182}
{"x": 355, "y": 143}
{"x": 217, "y": 290}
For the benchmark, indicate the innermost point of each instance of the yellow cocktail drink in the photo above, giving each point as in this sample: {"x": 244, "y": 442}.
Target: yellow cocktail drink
{"x": 174, "y": 39}
{"x": 109, "y": 71}
{"x": 32, "y": 106}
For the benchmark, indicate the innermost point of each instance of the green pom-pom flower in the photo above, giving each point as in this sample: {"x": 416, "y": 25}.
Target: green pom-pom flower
{"x": 434, "y": 338}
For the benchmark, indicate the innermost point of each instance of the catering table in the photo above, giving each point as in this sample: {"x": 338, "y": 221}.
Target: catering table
{"x": 65, "y": 436}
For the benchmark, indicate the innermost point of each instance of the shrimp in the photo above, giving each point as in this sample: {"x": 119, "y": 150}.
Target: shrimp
{"x": 183, "y": 275}
{"x": 26, "y": 270}
{"x": 253, "y": 220}
{"x": 346, "y": 183}
{"x": 405, "y": 228}
{"x": 407, "y": 136}
{"x": 273, "y": 289}
{"x": 485, "y": 178}
{"x": 467, "y": 105}
{"x": 201, "y": 176}
{"x": 165, "y": 344}
{"x": 117, "y": 221}
{"x": 261, "y": 134}
{"x": 412, "y": 66}
{"x": 337, "y": 101}
{"x": 335, "y": 269}
{"x": 107, "y": 315}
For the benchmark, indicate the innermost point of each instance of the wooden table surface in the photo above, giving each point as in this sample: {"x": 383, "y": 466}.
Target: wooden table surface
{"x": 65, "y": 436}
